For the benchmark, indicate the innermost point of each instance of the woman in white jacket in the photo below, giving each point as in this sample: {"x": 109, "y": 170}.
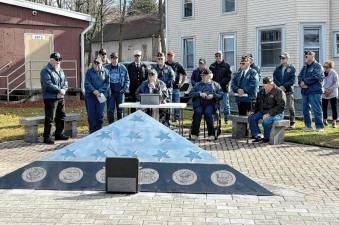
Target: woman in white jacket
{"x": 330, "y": 86}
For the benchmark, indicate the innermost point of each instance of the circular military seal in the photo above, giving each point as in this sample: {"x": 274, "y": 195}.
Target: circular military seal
{"x": 101, "y": 176}
{"x": 148, "y": 176}
{"x": 223, "y": 178}
{"x": 34, "y": 174}
{"x": 70, "y": 175}
{"x": 184, "y": 177}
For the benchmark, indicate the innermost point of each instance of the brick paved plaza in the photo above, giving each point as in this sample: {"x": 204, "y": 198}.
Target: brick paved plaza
{"x": 304, "y": 179}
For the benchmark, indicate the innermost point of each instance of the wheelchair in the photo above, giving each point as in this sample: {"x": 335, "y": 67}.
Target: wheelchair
{"x": 216, "y": 123}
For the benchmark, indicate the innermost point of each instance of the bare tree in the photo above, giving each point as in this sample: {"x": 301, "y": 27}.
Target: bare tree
{"x": 121, "y": 24}
{"x": 162, "y": 26}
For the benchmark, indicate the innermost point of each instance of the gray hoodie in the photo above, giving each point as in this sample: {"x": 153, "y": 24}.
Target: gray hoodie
{"x": 331, "y": 83}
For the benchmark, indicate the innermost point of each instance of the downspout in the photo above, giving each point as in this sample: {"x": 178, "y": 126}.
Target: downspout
{"x": 82, "y": 48}
{"x": 166, "y": 24}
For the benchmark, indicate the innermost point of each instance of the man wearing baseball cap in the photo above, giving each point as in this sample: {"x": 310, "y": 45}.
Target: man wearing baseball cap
{"x": 205, "y": 96}
{"x": 119, "y": 84}
{"x": 284, "y": 77}
{"x": 222, "y": 75}
{"x": 54, "y": 86}
{"x": 137, "y": 71}
{"x": 196, "y": 74}
{"x": 310, "y": 80}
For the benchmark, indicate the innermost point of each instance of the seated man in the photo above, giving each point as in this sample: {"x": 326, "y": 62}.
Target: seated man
{"x": 269, "y": 106}
{"x": 205, "y": 96}
{"x": 152, "y": 86}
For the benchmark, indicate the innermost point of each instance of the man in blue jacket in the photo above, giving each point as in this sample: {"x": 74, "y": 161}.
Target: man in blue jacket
{"x": 196, "y": 74}
{"x": 284, "y": 77}
{"x": 222, "y": 74}
{"x": 96, "y": 86}
{"x": 205, "y": 96}
{"x": 245, "y": 86}
{"x": 310, "y": 80}
{"x": 119, "y": 84}
{"x": 54, "y": 86}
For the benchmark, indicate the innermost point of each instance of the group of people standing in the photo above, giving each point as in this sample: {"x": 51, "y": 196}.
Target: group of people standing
{"x": 107, "y": 81}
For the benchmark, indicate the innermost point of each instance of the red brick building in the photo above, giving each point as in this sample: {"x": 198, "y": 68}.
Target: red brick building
{"x": 29, "y": 32}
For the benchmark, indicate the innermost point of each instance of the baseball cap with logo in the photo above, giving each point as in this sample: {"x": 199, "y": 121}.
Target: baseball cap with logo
{"x": 218, "y": 53}
{"x": 202, "y": 61}
{"x": 55, "y": 55}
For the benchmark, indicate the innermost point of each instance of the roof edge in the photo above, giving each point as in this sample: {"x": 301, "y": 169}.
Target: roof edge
{"x": 49, "y": 9}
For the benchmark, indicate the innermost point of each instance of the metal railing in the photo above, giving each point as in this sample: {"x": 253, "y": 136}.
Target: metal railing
{"x": 9, "y": 80}
{"x": 6, "y": 65}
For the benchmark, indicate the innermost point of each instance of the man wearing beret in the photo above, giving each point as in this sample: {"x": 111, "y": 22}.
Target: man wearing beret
{"x": 205, "y": 96}
{"x": 54, "y": 86}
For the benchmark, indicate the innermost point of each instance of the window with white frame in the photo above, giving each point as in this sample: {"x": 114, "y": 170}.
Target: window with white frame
{"x": 270, "y": 47}
{"x": 336, "y": 44}
{"x": 228, "y": 48}
{"x": 228, "y": 6}
{"x": 187, "y": 8}
{"x": 188, "y": 53}
{"x": 313, "y": 41}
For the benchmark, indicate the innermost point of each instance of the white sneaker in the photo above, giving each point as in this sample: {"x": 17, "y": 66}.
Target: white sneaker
{"x": 194, "y": 137}
{"x": 210, "y": 138}
{"x": 307, "y": 129}
{"x": 320, "y": 130}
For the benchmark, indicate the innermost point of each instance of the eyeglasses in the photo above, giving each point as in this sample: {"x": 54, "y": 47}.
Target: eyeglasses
{"x": 137, "y": 55}
{"x": 282, "y": 57}
{"x": 58, "y": 59}
{"x": 96, "y": 63}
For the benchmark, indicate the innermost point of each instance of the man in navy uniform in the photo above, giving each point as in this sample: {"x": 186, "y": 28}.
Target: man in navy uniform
{"x": 269, "y": 107}
{"x": 137, "y": 72}
{"x": 205, "y": 96}
{"x": 222, "y": 74}
{"x": 245, "y": 86}
{"x": 196, "y": 74}
{"x": 284, "y": 77}
{"x": 96, "y": 86}
{"x": 310, "y": 80}
{"x": 180, "y": 78}
{"x": 119, "y": 84}
{"x": 54, "y": 86}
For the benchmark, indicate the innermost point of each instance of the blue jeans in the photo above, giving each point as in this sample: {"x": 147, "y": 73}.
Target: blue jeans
{"x": 226, "y": 104}
{"x": 95, "y": 113}
{"x": 266, "y": 123}
{"x": 208, "y": 111}
{"x": 176, "y": 99}
{"x": 112, "y": 103}
{"x": 312, "y": 101}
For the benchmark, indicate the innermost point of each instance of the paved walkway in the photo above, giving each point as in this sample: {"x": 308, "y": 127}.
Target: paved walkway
{"x": 305, "y": 180}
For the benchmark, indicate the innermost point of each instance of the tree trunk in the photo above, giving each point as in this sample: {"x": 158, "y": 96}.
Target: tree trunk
{"x": 122, "y": 21}
{"x": 162, "y": 22}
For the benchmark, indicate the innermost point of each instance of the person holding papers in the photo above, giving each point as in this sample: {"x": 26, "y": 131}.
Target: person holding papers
{"x": 245, "y": 86}
{"x": 96, "y": 92}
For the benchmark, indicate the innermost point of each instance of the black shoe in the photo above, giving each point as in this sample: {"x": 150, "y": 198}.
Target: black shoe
{"x": 264, "y": 140}
{"x": 253, "y": 137}
{"x": 61, "y": 137}
{"x": 48, "y": 141}
{"x": 257, "y": 140}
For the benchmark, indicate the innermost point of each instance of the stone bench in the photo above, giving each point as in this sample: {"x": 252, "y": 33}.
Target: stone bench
{"x": 30, "y": 125}
{"x": 240, "y": 126}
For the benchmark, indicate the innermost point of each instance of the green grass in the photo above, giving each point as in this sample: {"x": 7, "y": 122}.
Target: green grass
{"x": 11, "y": 130}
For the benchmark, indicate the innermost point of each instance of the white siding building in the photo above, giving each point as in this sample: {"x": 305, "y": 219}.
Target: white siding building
{"x": 265, "y": 28}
